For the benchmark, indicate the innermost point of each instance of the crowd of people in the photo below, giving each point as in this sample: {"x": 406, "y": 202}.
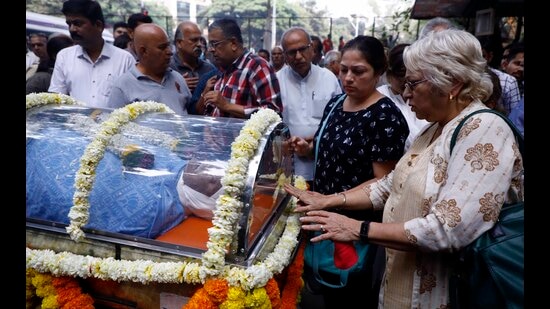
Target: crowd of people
{"x": 370, "y": 129}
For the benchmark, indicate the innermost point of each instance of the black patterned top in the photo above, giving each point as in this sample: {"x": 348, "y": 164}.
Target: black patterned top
{"x": 352, "y": 141}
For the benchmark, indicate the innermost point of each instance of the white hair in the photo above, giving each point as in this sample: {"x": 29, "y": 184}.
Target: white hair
{"x": 445, "y": 57}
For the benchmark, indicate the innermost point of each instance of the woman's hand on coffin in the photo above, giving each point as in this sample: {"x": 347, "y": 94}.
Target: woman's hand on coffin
{"x": 308, "y": 200}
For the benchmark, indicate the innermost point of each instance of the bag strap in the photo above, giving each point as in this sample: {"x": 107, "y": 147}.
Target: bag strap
{"x": 315, "y": 257}
{"x": 517, "y": 134}
{"x": 344, "y": 273}
{"x": 317, "y": 142}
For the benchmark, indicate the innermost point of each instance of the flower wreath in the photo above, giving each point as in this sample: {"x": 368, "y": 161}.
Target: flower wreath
{"x": 220, "y": 235}
{"x": 55, "y": 292}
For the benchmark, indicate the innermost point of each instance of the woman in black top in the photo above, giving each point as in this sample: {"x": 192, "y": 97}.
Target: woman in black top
{"x": 363, "y": 138}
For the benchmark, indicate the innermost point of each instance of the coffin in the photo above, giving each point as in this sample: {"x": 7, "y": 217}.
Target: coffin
{"x": 153, "y": 191}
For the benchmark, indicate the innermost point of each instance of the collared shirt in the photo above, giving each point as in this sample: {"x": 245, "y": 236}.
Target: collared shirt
{"x": 250, "y": 82}
{"x": 415, "y": 124}
{"x": 517, "y": 115}
{"x": 202, "y": 68}
{"x": 134, "y": 86}
{"x": 510, "y": 96}
{"x": 31, "y": 59}
{"x": 304, "y": 100}
{"x": 132, "y": 51}
{"x": 77, "y": 75}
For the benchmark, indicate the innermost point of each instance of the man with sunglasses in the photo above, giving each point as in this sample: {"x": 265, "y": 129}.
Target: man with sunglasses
{"x": 247, "y": 82}
{"x": 305, "y": 89}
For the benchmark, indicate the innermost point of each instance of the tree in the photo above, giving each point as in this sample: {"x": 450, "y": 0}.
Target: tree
{"x": 113, "y": 11}
{"x": 253, "y": 16}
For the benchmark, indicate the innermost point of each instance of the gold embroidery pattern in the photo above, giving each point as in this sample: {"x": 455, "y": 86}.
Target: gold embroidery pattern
{"x": 490, "y": 206}
{"x": 412, "y": 239}
{"x": 367, "y": 190}
{"x": 440, "y": 171}
{"x": 470, "y": 125}
{"x": 516, "y": 185}
{"x": 482, "y": 155}
{"x": 448, "y": 212}
{"x": 426, "y": 203}
{"x": 518, "y": 162}
{"x": 427, "y": 281}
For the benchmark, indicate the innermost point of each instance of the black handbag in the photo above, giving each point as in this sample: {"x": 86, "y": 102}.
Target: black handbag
{"x": 489, "y": 272}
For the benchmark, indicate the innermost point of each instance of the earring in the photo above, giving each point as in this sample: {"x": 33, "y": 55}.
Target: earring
{"x": 451, "y": 97}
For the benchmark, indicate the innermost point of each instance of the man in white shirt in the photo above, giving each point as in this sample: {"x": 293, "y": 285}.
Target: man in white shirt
{"x": 305, "y": 90}
{"x": 32, "y": 63}
{"x": 86, "y": 71}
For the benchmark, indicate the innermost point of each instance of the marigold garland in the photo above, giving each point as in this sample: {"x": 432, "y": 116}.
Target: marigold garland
{"x": 214, "y": 291}
{"x": 294, "y": 282}
{"x": 253, "y": 287}
{"x": 56, "y": 292}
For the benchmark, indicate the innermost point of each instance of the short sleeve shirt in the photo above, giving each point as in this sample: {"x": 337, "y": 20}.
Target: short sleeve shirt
{"x": 352, "y": 141}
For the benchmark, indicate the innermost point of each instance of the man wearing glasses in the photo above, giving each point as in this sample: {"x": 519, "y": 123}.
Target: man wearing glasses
{"x": 305, "y": 90}
{"x": 247, "y": 83}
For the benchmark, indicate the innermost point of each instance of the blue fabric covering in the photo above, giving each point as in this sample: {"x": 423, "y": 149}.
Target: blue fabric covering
{"x": 122, "y": 202}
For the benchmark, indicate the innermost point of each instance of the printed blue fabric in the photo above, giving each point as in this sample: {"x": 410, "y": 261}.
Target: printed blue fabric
{"x": 121, "y": 201}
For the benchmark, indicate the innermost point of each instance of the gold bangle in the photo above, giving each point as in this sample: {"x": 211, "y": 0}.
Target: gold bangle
{"x": 344, "y": 196}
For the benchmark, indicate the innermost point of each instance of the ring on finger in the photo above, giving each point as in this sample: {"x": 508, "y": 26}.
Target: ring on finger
{"x": 323, "y": 228}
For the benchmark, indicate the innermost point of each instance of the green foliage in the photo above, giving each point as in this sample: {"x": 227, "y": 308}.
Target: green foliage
{"x": 254, "y": 18}
{"x": 113, "y": 11}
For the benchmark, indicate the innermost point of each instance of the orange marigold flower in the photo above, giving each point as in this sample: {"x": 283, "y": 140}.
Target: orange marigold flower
{"x": 294, "y": 283}
{"x": 217, "y": 290}
{"x": 66, "y": 295}
{"x": 273, "y": 292}
{"x": 200, "y": 300}
{"x": 82, "y": 301}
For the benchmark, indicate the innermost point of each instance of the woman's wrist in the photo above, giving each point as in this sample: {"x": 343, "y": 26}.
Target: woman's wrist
{"x": 364, "y": 231}
{"x": 337, "y": 200}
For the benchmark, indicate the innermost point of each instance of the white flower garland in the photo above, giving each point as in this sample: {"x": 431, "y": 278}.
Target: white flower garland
{"x": 145, "y": 272}
{"x": 85, "y": 176}
{"x": 225, "y": 219}
{"x": 45, "y": 98}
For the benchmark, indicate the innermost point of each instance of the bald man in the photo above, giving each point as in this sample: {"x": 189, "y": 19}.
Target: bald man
{"x": 151, "y": 78}
{"x": 186, "y": 60}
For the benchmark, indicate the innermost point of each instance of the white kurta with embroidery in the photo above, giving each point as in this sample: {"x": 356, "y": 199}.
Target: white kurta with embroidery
{"x": 446, "y": 201}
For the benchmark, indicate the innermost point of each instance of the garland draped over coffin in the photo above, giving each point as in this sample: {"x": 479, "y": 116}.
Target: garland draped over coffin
{"x": 256, "y": 282}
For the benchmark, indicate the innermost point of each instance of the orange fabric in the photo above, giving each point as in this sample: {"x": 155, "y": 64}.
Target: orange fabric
{"x": 191, "y": 232}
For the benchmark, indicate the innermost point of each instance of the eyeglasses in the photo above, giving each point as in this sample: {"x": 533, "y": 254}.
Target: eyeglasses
{"x": 292, "y": 52}
{"x": 411, "y": 85}
{"x": 215, "y": 44}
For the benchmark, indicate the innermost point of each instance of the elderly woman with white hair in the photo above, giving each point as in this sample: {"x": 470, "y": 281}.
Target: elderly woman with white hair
{"x": 434, "y": 202}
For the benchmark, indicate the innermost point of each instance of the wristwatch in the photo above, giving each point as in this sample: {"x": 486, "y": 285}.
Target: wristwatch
{"x": 364, "y": 232}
